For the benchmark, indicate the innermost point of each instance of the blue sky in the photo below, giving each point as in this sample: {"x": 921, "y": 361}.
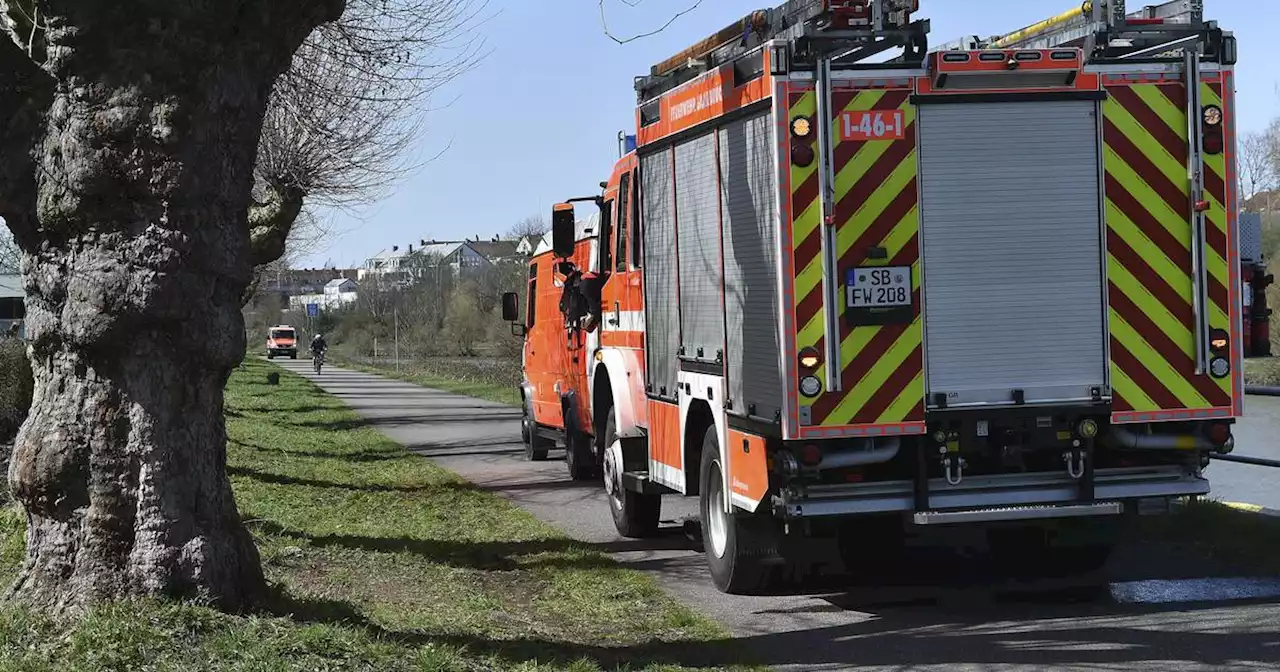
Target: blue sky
{"x": 537, "y": 121}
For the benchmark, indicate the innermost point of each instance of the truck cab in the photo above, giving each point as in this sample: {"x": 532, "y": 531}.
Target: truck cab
{"x": 282, "y": 341}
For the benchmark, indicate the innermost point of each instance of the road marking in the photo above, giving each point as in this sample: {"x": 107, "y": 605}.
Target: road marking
{"x": 1251, "y": 508}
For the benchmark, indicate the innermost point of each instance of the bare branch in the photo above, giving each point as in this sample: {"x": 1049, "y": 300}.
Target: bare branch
{"x": 344, "y": 118}
{"x": 271, "y": 221}
{"x": 604, "y": 22}
{"x": 1257, "y": 172}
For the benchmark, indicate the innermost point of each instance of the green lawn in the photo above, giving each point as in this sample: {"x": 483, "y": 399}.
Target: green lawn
{"x": 382, "y": 561}
{"x": 1262, "y": 371}
{"x": 450, "y": 377}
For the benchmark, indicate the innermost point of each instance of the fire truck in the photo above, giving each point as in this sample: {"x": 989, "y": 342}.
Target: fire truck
{"x": 843, "y": 286}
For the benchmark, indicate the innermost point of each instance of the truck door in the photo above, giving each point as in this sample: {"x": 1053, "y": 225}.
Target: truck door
{"x": 623, "y": 323}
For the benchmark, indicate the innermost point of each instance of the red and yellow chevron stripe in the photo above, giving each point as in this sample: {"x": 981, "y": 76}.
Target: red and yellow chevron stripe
{"x": 1149, "y": 265}
{"x": 876, "y": 205}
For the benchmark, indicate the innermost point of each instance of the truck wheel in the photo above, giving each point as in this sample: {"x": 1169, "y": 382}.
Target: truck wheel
{"x": 535, "y": 447}
{"x": 734, "y": 544}
{"x": 635, "y": 515}
{"x": 271, "y": 355}
{"x": 579, "y": 458}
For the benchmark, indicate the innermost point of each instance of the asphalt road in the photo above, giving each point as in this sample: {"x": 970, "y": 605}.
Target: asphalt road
{"x": 1163, "y": 613}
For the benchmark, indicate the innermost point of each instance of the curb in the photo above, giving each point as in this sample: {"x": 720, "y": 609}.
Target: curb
{"x": 1251, "y": 508}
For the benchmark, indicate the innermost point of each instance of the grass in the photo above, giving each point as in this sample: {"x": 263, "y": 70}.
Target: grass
{"x": 1241, "y": 540}
{"x": 381, "y": 561}
{"x": 494, "y": 380}
{"x": 1262, "y": 371}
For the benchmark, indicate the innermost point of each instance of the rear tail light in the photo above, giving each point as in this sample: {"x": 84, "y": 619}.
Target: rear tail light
{"x": 1219, "y": 341}
{"x": 1211, "y": 123}
{"x": 1219, "y": 433}
{"x": 810, "y": 359}
{"x": 801, "y": 154}
{"x": 810, "y": 455}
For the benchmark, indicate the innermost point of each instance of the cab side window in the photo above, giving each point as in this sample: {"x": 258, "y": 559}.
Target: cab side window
{"x": 531, "y": 314}
{"x": 606, "y": 237}
{"x": 624, "y": 212}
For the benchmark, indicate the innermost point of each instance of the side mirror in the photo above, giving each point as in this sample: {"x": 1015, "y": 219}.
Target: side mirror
{"x": 563, "y": 230}
{"x": 511, "y": 307}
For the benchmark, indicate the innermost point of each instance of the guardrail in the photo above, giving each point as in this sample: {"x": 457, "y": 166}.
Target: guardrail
{"x": 1245, "y": 459}
{"x": 1262, "y": 390}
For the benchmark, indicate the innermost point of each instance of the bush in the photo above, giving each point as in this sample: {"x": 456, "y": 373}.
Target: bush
{"x": 16, "y": 385}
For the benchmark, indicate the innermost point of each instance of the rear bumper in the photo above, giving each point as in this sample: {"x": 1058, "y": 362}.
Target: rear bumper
{"x": 987, "y": 492}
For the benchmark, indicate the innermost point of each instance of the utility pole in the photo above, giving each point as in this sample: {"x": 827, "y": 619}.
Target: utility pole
{"x": 396, "y": 321}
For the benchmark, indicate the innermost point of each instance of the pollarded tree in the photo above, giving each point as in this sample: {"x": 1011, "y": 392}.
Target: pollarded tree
{"x": 126, "y": 168}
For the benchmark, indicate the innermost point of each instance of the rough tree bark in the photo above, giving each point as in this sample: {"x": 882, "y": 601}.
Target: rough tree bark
{"x": 125, "y": 174}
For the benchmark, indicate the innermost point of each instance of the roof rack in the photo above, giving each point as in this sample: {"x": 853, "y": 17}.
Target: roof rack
{"x": 811, "y": 28}
{"x": 1105, "y": 30}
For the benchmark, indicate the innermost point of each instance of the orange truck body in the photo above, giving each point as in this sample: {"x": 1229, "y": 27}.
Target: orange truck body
{"x": 282, "y": 341}
{"x": 990, "y": 286}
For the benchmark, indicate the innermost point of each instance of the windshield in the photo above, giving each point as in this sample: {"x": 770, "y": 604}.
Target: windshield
{"x": 283, "y": 334}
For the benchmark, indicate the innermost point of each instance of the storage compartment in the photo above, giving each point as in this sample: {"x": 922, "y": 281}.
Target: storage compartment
{"x": 1012, "y": 243}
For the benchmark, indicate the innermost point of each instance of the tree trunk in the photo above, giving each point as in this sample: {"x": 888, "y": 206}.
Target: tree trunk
{"x": 137, "y": 259}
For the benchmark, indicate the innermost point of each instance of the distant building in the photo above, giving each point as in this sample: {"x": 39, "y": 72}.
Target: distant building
{"x": 13, "y": 308}
{"x": 338, "y": 293}
{"x": 526, "y": 245}
{"x": 431, "y": 257}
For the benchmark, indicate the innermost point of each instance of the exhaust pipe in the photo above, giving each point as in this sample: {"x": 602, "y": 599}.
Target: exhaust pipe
{"x": 857, "y": 457}
{"x": 1125, "y": 439}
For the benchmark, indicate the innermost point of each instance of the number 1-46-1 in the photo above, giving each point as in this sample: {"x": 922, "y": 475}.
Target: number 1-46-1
{"x": 873, "y": 125}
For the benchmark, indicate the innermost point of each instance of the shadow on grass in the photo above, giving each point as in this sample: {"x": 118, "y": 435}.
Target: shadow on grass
{"x": 512, "y": 652}
{"x": 1039, "y": 635}
{"x": 282, "y": 479}
{"x": 481, "y": 555}
{"x": 361, "y": 456}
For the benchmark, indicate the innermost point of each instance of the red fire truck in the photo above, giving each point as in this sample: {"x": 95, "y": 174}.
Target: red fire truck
{"x": 992, "y": 285}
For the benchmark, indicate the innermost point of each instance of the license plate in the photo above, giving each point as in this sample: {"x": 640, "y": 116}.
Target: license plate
{"x": 878, "y": 287}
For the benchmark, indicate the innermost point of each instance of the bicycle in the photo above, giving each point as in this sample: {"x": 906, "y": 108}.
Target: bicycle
{"x": 317, "y": 361}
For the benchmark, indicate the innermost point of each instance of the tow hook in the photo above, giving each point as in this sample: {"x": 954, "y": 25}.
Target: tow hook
{"x": 1075, "y": 463}
{"x": 954, "y": 477}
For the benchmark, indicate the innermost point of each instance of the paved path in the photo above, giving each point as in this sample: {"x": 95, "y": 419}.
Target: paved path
{"x": 1159, "y": 622}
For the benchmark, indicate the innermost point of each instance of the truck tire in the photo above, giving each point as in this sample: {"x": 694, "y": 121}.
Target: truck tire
{"x": 535, "y": 447}
{"x": 580, "y": 458}
{"x": 635, "y": 515}
{"x": 735, "y": 544}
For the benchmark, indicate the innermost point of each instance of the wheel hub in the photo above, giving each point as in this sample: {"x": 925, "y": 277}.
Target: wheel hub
{"x": 717, "y": 522}
{"x": 613, "y": 475}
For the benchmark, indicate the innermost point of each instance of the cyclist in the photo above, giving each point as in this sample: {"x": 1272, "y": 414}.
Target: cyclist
{"x": 318, "y": 346}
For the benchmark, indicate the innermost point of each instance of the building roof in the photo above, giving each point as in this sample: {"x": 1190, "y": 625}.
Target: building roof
{"x": 338, "y": 282}
{"x": 495, "y": 249}
{"x": 11, "y": 287}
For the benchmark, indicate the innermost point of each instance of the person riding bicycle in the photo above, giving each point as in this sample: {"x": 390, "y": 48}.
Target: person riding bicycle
{"x": 318, "y": 345}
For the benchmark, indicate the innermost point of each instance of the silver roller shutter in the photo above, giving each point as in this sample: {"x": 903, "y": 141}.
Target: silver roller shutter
{"x": 698, "y": 233}
{"x": 1011, "y": 234}
{"x": 748, "y": 193}
{"x": 662, "y": 310}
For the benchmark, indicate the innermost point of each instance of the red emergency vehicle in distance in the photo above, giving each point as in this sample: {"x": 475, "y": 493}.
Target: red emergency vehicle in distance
{"x": 987, "y": 286}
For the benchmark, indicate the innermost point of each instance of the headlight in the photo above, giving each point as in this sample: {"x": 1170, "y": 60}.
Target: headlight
{"x": 1219, "y": 367}
{"x": 810, "y": 386}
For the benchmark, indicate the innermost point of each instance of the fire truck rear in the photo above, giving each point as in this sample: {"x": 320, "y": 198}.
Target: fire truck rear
{"x": 994, "y": 284}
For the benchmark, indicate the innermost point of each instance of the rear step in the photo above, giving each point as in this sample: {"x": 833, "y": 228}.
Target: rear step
{"x": 1018, "y": 513}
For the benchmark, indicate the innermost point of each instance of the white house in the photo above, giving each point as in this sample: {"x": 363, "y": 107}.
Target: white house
{"x": 338, "y": 293}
